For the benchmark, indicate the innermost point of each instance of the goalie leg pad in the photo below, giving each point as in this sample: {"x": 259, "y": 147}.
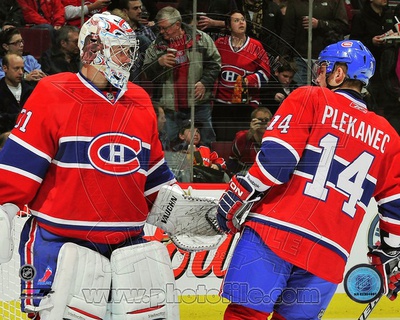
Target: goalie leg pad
{"x": 7, "y": 213}
{"x": 81, "y": 286}
{"x": 143, "y": 283}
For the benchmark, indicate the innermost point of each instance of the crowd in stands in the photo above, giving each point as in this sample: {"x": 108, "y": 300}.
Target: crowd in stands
{"x": 234, "y": 62}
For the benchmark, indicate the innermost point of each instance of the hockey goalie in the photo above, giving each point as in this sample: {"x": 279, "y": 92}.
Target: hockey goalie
{"x": 85, "y": 157}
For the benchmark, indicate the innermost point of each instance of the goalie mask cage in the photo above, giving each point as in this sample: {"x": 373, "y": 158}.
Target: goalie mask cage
{"x": 10, "y": 281}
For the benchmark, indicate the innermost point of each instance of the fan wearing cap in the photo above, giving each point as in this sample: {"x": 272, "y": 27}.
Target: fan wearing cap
{"x": 203, "y": 154}
{"x": 86, "y": 158}
{"x": 323, "y": 156}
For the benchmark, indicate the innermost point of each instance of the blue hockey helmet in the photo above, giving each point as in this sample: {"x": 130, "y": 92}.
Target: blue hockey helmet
{"x": 360, "y": 61}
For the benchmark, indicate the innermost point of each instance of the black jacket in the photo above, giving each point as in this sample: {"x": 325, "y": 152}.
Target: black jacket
{"x": 332, "y": 26}
{"x": 53, "y": 61}
{"x": 11, "y": 13}
{"x": 269, "y": 33}
{"x": 9, "y": 107}
{"x": 367, "y": 24}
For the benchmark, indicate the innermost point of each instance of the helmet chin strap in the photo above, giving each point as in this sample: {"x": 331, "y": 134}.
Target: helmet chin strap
{"x": 330, "y": 87}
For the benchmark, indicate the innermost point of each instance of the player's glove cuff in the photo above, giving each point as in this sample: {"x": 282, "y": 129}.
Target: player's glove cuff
{"x": 387, "y": 262}
{"x": 239, "y": 193}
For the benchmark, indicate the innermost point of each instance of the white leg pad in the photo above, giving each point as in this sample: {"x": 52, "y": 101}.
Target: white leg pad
{"x": 81, "y": 286}
{"x": 143, "y": 283}
{"x": 7, "y": 213}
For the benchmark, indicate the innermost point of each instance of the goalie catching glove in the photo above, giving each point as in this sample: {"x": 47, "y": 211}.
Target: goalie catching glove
{"x": 386, "y": 260}
{"x": 189, "y": 221}
{"x": 235, "y": 203}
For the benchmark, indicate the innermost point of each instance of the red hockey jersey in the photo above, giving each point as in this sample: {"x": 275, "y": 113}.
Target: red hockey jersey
{"x": 324, "y": 155}
{"x": 88, "y": 166}
{"x": 250, "y": 61}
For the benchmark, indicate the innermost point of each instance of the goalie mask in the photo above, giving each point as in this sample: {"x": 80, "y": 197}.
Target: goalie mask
{"x": 108, "y": 43}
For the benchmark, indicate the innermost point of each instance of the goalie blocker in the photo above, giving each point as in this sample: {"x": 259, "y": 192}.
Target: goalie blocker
{"x": 189, "y": 221}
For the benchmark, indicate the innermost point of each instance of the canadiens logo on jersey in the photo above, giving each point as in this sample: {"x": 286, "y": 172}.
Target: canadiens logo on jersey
{"x": 115, "y": 153}
{"x": 229, "y": 75}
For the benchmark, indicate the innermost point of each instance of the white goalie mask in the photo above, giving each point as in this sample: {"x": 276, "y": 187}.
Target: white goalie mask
{"x": 108, "y": 43}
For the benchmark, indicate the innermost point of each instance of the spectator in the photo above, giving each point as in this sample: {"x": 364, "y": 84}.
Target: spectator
{"x": 161, "y": 120}
{"x": 282, "y": 5}
{"x": 64, "y": 55}
{"x": 264, "y": 22}
{"x": 369, "y": 26}
{"x": 280, "y": 85}
{"x": 14, "y": 91}
{"x": 247, "y": 143}
{"x": 11, "y": 42}
{"x": 203, "y": 158}
{"x": 184, "y": 76}
{"x": 11, "y": 14}
{"x": 242, "y": 59}
{"x": 73, "y": 10}
{"x": 133, "y": 9}
{"x": 212, "y": 19}
{"x": 43, "y": 14}
{"x": 329, "y": 24}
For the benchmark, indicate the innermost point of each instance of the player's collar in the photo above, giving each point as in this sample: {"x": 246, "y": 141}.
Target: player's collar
{"x": 353, "y": 95}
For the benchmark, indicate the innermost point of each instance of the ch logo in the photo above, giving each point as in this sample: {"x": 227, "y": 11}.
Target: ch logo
{"x": 115, "y": 153}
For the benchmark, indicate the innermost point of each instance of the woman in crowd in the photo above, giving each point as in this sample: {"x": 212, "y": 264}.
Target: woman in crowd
{"x": 245, "y": 65}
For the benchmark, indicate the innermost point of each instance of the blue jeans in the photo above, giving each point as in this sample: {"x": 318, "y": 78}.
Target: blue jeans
{"x": 202, "y": 117}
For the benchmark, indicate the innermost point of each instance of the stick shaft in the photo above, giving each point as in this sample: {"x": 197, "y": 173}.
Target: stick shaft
{"x": 368, "y": 309}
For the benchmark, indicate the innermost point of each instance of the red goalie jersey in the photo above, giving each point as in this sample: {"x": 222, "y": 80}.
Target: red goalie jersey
{"x": 93, "y": 167}
{"x": 328, "y": 155}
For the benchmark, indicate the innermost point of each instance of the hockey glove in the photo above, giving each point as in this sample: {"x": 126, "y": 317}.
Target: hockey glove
{"x": 234, "y": 202}
{"x": 387, "y": 262}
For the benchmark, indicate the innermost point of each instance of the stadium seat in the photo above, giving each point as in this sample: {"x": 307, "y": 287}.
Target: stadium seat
{"x": 36, "y": 41}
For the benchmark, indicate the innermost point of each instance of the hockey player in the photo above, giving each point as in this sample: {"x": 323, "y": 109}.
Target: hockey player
{"x": 85, "y": 156}
{"x": 323, "y": 157}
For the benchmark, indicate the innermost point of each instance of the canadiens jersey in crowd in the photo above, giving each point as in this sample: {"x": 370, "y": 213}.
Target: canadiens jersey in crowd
{"x": 323, "y": 154}
{"x": 250, "y": 61}
{"x": 88, "y": 167}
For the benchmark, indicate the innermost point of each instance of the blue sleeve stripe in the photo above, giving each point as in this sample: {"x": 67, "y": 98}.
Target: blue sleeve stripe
{"x": 24, "y": 161}
{"x": 277, "y": 160}
{"x": 159, "y": 177}
{"x": 390, "y": 210}
{"x": 262, "y": 78}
